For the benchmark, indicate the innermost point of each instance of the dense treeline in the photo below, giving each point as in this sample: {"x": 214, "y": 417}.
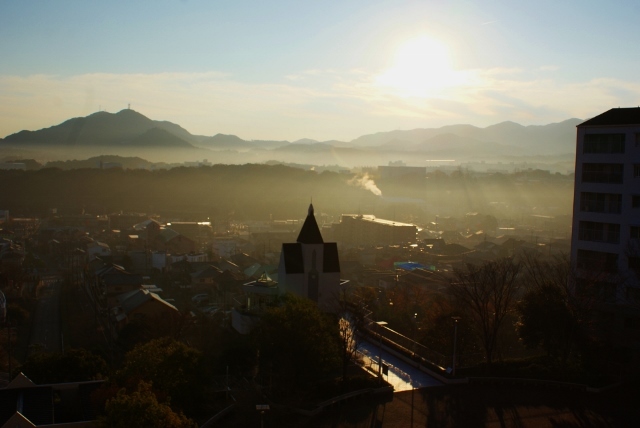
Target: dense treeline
{"x": 255, "y": 191}
{"x": 252, "y": 191}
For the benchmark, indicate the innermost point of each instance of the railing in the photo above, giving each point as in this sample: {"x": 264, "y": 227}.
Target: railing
{"x": 407, "y": 346}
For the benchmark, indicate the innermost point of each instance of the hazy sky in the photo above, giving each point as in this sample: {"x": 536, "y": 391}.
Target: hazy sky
{"x": 318, "y": 69}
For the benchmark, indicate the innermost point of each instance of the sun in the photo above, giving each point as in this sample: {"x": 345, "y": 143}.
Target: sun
{"x": 422, "y": 68}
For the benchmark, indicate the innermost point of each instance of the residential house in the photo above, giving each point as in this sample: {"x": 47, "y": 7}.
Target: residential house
{"x": 112, "y": 280}
{"x": 146, "y": 306}
{"x": 205, "y": 280}
{"x": 173, "y": 242}
{"x": 59, "y": 405}
{"x": 97, "y": 249}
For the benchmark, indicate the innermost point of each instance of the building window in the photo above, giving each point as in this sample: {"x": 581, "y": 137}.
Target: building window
{"x": 603, "y": 172}
{"x": 635, "y": 201}
{"x": 601, "y": 202}
{"x": 597, "y": 261}
{"x": 599, "y": 232}
{"x": 603, "y": 143}
{"x": 636, "y": 170}
{"x": 635, "y": 232}
{"x": 634, "y": 263}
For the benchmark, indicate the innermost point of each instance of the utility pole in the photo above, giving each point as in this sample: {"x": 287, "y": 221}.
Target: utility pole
{"x": 9, "y": 346}
{"x": 380, "y": 325}
{"x": 455, "y": 343}
{"x": 413, "y": 346}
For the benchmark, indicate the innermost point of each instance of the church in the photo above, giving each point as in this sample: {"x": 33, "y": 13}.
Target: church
{"x": 310, "y": 267}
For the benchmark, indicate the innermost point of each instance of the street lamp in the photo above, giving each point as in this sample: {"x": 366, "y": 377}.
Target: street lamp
{"x": 456, "y": 320}
{"x": 415, "y": 333}
{"x": 262, "y": 408}
{"x": 413, "y": 351}
{"x": 380, "y": 325}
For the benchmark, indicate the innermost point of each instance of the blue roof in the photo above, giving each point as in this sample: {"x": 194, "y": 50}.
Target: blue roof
{"x": 411, "y": 266}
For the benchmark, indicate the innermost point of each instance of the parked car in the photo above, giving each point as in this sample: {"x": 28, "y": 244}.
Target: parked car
{"x": 200, "y": 299}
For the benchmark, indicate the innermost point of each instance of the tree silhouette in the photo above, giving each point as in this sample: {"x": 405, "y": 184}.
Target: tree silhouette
{"x": 141, "y": 408}
{"x": 487, "y": 293}
{"x": 298, "y": 342}
{"x": 174, "y": 368}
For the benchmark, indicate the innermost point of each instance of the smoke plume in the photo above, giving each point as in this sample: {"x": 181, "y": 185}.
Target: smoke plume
{"x": 366, "y": 182}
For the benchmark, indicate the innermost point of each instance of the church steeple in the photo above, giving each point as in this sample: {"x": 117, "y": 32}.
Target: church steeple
{"x": 310, "y": 232}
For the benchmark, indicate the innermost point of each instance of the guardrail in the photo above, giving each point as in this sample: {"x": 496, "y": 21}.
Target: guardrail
{"x": 411, "y": 350}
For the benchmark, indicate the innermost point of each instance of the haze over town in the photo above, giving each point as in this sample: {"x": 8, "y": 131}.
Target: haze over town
{"x": 331, "y": 214}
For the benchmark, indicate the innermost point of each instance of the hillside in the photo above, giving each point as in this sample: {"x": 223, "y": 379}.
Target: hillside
{"x": 555, "y": 138}
{"x": 129, "y": 133}
{"x": 104, "y": 129}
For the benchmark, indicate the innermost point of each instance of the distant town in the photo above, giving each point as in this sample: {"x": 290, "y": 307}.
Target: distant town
{"x": 287, "y": 295}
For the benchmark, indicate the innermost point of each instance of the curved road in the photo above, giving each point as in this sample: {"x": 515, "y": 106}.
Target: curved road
{"x": 402, "y": 376}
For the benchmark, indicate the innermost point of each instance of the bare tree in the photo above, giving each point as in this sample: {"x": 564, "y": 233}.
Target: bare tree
{"x": 487, "y": 293}
{"x": 350, "y": 315}
{"x": 557, "y": 311}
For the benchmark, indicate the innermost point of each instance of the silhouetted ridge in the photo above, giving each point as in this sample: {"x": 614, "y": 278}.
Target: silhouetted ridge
{"x": 108, "y": 129}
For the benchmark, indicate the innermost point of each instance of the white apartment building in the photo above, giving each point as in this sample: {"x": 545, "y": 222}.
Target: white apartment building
{"x": 605, "y": 244}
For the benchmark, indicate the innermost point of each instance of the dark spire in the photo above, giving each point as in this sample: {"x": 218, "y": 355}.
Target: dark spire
{"x": 310, "y": 232}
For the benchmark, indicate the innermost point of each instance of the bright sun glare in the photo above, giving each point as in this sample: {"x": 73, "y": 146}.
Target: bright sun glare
{"x": 422, "y": 68}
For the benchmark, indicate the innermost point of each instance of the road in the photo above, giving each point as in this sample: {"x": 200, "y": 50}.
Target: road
{"x": 46, "y": 323}
{"x": 402, "y": 376}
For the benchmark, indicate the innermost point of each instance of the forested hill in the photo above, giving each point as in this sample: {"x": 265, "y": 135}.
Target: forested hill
{"x": 256, "y": 191}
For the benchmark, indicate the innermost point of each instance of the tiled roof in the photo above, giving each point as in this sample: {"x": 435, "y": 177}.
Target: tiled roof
{"x": 137, "y": 298}
{"x": 293, "y": 262}
{"x": 615, "y": 116}
{"x": 331, "y": 262}
{"x": 209, "y": 272}
{"x": 122, "y": 278}
{"x": 167, "y": 234}
{"x": 109, "y": 268}
{"x": 21, "y": 381}
{"x": 24, "y": 404}
{"x": 143, "y": 225}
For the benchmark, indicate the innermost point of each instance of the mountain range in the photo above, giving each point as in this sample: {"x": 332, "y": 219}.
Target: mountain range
{"x": 131, "y": 132}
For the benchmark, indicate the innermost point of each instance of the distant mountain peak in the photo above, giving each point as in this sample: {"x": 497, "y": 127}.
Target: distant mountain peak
{"x": 227, "y": 138}
{"x": 507, "y": 124}
{"x": 305, "y": 141}
{"x": 106, "y": 129}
